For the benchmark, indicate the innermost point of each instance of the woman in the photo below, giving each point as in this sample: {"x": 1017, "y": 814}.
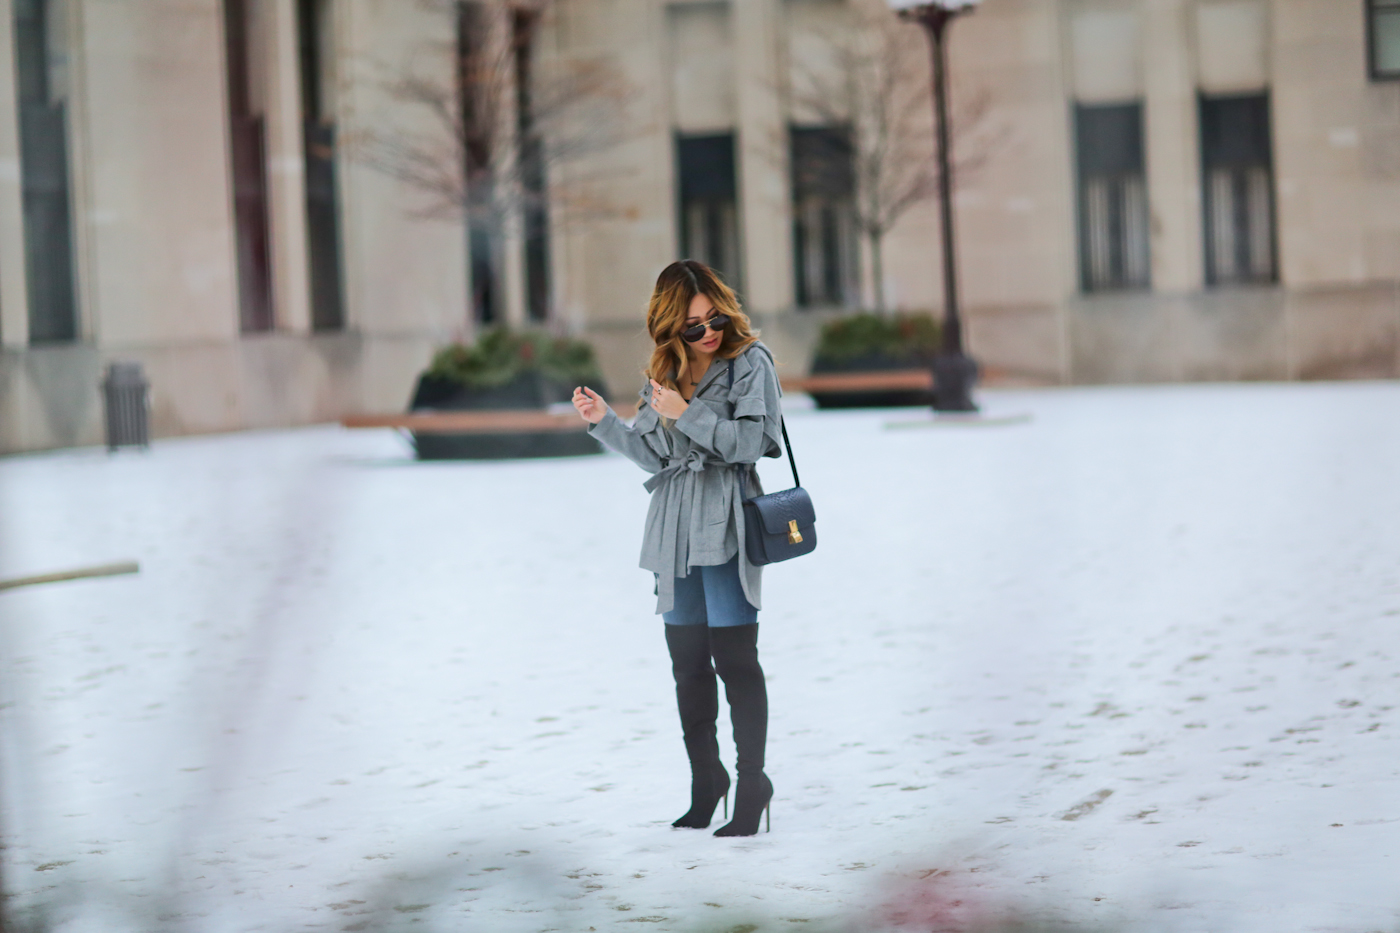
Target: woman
{"x": 710, "y": 410}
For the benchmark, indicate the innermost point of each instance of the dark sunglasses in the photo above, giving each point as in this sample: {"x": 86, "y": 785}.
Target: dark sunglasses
{"x": 692, "y": 334}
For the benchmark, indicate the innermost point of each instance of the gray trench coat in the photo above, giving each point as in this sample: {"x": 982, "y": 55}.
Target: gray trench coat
{"x": 702, "y": 469}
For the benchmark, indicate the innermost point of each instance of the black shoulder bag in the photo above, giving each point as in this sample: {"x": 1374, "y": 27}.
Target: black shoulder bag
{"x": 780, "y": 525}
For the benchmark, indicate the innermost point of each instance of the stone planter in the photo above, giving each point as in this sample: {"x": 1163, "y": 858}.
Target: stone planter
{"x": 871, "y": 363}
{"x": 530, "y": 391}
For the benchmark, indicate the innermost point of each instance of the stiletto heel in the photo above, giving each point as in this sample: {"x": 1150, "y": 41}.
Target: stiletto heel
{"x": 768, "y": 816}
{"x": 704, "y": 800}
{"x": 753, "y": 798}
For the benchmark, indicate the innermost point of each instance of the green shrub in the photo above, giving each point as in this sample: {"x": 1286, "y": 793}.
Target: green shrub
{"x": 499, "y": 355}
{"x": 912, "y": 337}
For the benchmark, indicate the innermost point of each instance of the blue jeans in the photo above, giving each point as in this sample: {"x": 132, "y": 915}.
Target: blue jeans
{"x": 711, "y": 596}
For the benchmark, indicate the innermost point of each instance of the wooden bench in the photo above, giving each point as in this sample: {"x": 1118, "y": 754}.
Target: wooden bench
{"x": 890, "y": 380}
{"x": 471, "y": 422}
{"x": 879, "y": 388}
{"x": 500, "y": 434}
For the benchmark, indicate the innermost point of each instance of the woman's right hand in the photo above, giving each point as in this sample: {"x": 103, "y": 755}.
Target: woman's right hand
{"x": 590, "y": 405}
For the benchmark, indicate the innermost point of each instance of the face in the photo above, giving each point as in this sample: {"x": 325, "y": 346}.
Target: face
{"x": 702, "y": 310}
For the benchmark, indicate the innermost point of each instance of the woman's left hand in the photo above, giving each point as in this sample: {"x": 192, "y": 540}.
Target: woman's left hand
{"x": 667, "y": 402}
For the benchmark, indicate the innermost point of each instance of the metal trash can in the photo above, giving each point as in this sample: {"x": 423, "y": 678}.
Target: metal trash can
{"x": 126, "y": 394}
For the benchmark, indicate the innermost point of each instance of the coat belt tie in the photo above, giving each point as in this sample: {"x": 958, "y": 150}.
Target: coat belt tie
{"x": 695, "y": 461}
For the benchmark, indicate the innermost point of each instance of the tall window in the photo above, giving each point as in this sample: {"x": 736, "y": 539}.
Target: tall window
{"x": 532, "y": 170}
{"x": 1383, "y": 34}
{"x": 709, "y": 218}
{"x": 1113, "y": 227}
{"x": 1237, "y": 170}
{"x": 247, "y": 139}
{"x": 41, "y": 63}
{"x": 316, "y": 40}
{"x": 823, "y": 231}
{"x": 475, "y": 90}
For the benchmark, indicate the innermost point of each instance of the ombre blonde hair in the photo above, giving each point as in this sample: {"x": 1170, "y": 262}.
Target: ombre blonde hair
{"x": 676, "y": 287}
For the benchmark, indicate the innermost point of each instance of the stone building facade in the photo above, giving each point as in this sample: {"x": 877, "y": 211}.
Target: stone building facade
{"x": 1148, "y": 190}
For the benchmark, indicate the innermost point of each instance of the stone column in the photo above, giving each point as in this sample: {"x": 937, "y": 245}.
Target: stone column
{"x": 513, "y": 267}
{"x": 405, "y": 270}
{"x": 14, "y": 298}
{"x": 764, "y": 192}
{"x": 513, "y": 263}
{"x": 286, "y": 170}
{"x": 152, "y": 200}
{"x": 1172, "y": 147}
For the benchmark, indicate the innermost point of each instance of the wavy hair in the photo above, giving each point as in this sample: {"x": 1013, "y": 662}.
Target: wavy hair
{"x": 676, "y": 287}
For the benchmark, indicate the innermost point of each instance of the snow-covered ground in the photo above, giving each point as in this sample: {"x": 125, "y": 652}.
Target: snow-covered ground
{"x": 1130, "y": 664}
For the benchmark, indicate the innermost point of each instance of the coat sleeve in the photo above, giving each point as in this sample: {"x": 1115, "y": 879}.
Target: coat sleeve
{"x": 754, "y": 430}
{"x": 628, "y": 441}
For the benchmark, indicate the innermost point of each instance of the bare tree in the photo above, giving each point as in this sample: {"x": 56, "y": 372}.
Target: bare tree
{"x": 471, "y": 158}
{"x": 875, "y": 81}
{"x": 498, "y": 125}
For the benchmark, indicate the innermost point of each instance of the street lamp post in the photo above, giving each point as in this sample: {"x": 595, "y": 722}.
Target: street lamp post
{"x": 954, "y": 372}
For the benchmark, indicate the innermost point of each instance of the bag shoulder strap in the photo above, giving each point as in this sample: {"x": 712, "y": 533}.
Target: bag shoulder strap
{"x": 792, "y": 461}
{"x": 782, "y": 423}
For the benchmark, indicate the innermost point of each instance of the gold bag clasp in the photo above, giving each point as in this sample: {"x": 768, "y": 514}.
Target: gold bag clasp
{"x": 794, "y": 536}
